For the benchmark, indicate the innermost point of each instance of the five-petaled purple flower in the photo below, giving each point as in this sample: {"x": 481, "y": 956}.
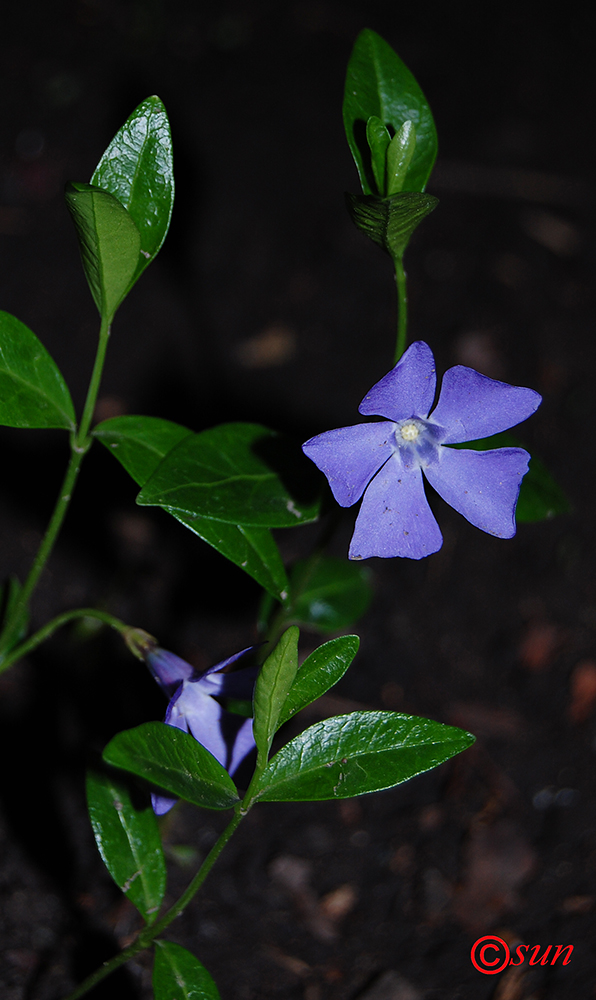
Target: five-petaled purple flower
{"x": 193, "y": 707}
{"x": 385, "y": 460}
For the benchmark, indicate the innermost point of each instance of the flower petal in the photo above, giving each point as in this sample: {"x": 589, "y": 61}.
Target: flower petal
{"x": 408, "y": 389}
{"x": 350, "y": 456}
{"x": 395, "y": 519}
{"x": 481, "y": 485}
{"x": 201, "y": 715}
{"x": 168, "y": 669}
{"x": 237, "y": 684}
{"x": 239, "y": 737}
{"x": 161, "y": 803}
{"x": 473, "y": 406}
{"x": 227, "y": 663}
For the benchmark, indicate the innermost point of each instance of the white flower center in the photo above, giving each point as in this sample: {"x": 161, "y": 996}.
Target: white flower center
{"x": 409, "y": 432}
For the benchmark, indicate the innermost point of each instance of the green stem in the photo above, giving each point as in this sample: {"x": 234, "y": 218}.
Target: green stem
{"x": 148, "y": 935}
{"x": 80, "y": 443}
{"x": 82, "y": 438}
{"x": 402, "y": 309}
{"x": 50, "y": 627}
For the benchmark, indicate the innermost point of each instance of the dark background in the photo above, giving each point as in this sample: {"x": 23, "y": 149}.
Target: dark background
{"x": 266, "y": 304}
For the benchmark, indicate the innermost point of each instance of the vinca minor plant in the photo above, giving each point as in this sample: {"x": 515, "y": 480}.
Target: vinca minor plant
{"x": 228, "y": 485}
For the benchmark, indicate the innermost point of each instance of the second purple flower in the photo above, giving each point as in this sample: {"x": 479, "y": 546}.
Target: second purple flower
{"x": 194, "y": 708}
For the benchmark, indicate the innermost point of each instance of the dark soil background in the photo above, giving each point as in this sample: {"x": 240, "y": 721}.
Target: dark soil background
{"x": 266, "y": 304}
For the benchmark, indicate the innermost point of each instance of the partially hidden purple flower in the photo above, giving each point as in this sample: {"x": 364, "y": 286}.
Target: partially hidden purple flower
{"x": 193, "y": 708}
{"x": 385, "y": 460}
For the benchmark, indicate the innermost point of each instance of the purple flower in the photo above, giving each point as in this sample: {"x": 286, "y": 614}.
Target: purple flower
{"x": 193, "y": 708}
{"x": 385, "y": 460}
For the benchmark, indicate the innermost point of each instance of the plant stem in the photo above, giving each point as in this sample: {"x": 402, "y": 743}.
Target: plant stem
{"x": 50, "y": 627}
{"x": 82, "y": 437}
{"x": 148, "y": 935}
{"x": 402, "y": 308}
{"x": 80, "y": 443}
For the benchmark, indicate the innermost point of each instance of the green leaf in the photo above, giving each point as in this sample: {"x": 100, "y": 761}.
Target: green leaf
{"x": 378, "y": 139}
{"x": 109, "y": 242}
{"x": 329, "y": 593}
{"x": 32, "y": 390}
{"x": 173, "y": 760}
{"x": 378, "y": 83}
{"x": 390, "y": 222}
{"x": 540, "y": 497}
{"x": 137, "y": 169}
{"x": 399, "y": 156}
{"x": 352, "y": 754}
{"x": 271, "y": 690}
{"x": 320, "y": 671}
{"x": 232, "y": 473}
{"x": 128, "y": 840}
{"x": 139, "y": 444}
{"x": 178, "y": 975}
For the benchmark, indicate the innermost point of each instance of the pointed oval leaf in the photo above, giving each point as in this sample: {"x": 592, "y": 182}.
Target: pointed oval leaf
{"x": 178, "y": 975}
{"x": 127, "y": 837}
{"x": 271, "y": 689}
{"x": 109, "y": 242}
{"x": 139, "y": 444}
{"x": 378, "y": 139}
{"x": 399, "y": 156}
{"x": 137, "y": 168}
{"x": 235, "y": 473}
{"x": 390, "y": 222}
{"x": 329, "y": 593}
{"x": 32, "y": 390}
{"x": 379, "y": 83}
{"x": 320, "y": 671}
{"x": 173, "y": 761}
{"x": 540, "y": 496}
{"x": 353, "y": 754}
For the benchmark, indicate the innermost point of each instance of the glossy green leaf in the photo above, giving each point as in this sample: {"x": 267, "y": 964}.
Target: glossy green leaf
{"x": 320, "y": 671}
{"x": 32, "y": 390}
{"x": 378, "y": 139}
{"x": 109, "y": 241}
{"x": 127, "y": 836}
{"x": 329, "y": 593}
{"x": 173, "y": 760}
{"x": 275, "y": 679}
{"x": 399, "y": 156}
{"x": 352, "y": 754}
{"x": 140, "y": 443}
{"x": 540, "y": 497}
{"x": 137, "y": 169}
{"x": 178, "y": 975}
{"x": 378, "y": 83}
{"x": 390, "y": 222}
{"x": 232, "y": 473}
